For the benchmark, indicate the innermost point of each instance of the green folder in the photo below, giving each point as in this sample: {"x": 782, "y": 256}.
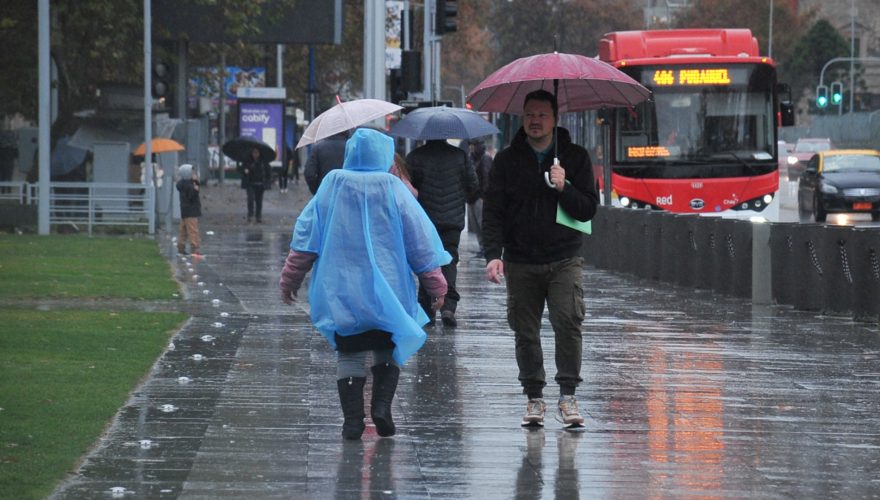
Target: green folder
{"x": 563, "y": 218}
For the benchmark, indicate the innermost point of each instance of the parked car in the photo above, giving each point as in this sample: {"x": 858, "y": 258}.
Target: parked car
{"x": 840, "y": 181}
{"x": 804, "y": 149}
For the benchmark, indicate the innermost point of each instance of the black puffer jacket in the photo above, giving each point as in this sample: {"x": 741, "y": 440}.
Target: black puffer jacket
{"x": 446, "y": 181}
{"x": 519, "y": 210}
{"x": 325, "y": 156}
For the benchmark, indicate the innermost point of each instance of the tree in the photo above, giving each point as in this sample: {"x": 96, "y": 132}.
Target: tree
{"x": 755, "y": 15}
{"x": 818, "y": 46}
{"x": 18, "y": 79}
{"x": 469, "y": 53}
{"x": 95, "y": 41}
{"x": 528, "y": 28}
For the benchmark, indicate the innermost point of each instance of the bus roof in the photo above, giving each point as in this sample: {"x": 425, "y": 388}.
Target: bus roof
{"x": 685, "y": 43}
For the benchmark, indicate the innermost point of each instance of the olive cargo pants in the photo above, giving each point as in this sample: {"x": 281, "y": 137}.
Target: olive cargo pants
{"x": 560, "y": 285}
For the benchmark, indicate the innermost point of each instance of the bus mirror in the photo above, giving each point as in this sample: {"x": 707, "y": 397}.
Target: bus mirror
{"x": 603, "y": 116}
{"x": 786, "y": 114}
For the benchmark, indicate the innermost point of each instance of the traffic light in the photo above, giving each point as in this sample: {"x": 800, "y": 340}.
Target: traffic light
{"x": 822, "y": 96}
{"x": 445, "y": 14}
{"x": 836, "y": 93}
{"x": 397, "y": 92}
{"x": 161, "y": 76}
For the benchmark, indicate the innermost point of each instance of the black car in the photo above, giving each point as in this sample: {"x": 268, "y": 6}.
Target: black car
{"x": 840, "y": 181}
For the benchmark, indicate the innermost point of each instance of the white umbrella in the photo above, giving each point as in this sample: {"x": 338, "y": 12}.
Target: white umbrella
{"x": 345, "y": 116}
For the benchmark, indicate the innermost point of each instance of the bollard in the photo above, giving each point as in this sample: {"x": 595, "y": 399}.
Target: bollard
{"x": 865, "y": 264}
{"x": 762, "y": 265}
{"x": 686, "y": 262}
{"x": 809, "y": 279}
{"x": 654, "y": 244}
{"x": 621, "y": 259}
{"x": 784, "y": 274}
{"x": 604, "y": 238}
{"x": 641, "y": 244}
{"x": 671, "y": 247}
{"x": 593, "y": 248}
{"x": 722, "y": 266}
{"x": 705, "y": 241}
{"x": 836, "y": 249}
{"x": 739, "y": 253}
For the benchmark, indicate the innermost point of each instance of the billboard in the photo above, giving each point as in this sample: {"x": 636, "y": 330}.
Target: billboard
{"x": 282, "y": 21}
{"x": 263, "y": 120}
{"x": 206, "y": 82}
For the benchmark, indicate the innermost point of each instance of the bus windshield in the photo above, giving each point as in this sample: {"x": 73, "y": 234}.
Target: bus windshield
{"x": 706, "y": 113}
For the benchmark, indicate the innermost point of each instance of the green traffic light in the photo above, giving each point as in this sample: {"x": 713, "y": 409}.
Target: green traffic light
{"x": 821, "y": 101}
{"x": 836, "y": 98}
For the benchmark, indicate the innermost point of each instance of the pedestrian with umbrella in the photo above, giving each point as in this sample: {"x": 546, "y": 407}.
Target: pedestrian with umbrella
{"x": 329, "y": 132}
{"x": 536, "y": 185}
{"x": 446, "y": 182}
{"x": 253, "y": 157}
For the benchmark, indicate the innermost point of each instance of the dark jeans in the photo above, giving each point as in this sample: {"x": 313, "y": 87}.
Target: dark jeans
{"x": 282, "y": 180}
{"x": 560, "y": 285}
{"x": 450, "y": 239}
{"x": 255, "y": 201}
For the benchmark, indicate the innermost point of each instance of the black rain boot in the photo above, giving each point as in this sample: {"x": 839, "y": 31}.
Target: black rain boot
{"x": 385, "y": 378}
{"x": 351, "y": 397}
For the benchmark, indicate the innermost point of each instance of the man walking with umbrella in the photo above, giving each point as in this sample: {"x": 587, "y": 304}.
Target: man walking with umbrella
{"x": 446, "y": 181}
{"x": 540, "y": 258}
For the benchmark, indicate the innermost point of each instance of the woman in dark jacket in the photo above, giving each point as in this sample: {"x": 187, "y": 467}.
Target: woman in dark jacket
{"x": 256, "y": 174}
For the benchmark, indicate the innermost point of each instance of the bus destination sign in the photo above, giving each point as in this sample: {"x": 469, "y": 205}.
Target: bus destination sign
{"x": 691, "y": 76}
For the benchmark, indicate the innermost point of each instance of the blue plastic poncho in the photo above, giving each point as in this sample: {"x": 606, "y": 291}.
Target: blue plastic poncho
{"x": 370, "y": 235}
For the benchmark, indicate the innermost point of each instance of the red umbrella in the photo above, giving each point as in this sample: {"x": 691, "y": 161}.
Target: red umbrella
{"x": 579, "y": 83}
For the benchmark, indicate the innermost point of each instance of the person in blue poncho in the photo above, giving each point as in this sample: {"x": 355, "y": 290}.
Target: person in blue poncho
{"x": 366, "y": 235}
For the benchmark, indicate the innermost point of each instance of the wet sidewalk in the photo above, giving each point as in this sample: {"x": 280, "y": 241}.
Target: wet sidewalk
{"x": 686, "y": 394}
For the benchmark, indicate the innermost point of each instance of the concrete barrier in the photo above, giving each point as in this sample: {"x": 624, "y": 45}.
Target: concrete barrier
{"x": 809, "y": 266}
{"x": 836, "y": 246}
{"x": 865, "y": 265}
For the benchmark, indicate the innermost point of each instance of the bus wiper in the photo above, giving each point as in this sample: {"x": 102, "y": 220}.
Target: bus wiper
{"x": 752, "y": 169}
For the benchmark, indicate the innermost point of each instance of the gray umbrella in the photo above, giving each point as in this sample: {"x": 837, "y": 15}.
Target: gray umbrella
{"x": 442, "y": 123}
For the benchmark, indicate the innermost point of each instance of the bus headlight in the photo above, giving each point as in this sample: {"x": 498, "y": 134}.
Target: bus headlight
{"x": 768, "y": 198}
{"x": 792, "y": 160}
{"x": 624, "y": 201}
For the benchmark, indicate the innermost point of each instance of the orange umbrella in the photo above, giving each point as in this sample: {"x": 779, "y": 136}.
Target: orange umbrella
{"x": 159, "y": 145}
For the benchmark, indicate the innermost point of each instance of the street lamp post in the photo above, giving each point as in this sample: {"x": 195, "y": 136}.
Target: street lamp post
{"x": 852, "y": 52}
{"x": 770, "y": 33}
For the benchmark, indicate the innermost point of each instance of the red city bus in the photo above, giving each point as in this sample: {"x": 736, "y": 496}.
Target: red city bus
{"x": 706, "y": 141}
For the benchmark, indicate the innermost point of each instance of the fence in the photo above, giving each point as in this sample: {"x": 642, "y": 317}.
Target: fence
{"x": 832, "y": 269}
{"x": 87, "y": 204}
{"x": 852, "y": 130}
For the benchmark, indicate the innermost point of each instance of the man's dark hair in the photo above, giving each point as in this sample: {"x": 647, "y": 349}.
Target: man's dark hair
{"x": 543, "y": 95}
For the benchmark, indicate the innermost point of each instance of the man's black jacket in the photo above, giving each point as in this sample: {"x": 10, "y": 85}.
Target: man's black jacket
{"x": 519, "y": 209}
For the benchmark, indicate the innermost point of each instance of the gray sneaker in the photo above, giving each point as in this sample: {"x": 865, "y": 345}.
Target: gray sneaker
{"x": 568, "y": 412}
{"x": 534, "y": 416}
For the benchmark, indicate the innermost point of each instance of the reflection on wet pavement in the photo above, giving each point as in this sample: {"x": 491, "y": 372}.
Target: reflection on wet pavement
{"x": 686, "y": 394}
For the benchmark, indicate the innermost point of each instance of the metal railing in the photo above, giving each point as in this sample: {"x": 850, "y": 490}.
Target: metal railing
{"x": 88, "y": 203}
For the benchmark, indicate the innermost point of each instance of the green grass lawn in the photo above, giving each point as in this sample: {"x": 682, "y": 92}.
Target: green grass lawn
{"x": 64, "y": 374}
{"x": 78, "y": 266}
